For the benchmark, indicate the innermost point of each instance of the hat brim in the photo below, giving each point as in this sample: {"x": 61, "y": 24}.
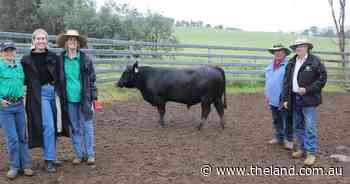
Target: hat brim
{"x": 62, "y": 38}
{"x": 3, "y": 49}
{"x": 293, "y": 47}
{"x": 273, "y": 50}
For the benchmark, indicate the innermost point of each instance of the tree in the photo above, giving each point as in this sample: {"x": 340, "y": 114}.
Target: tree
{"x": 109, "y": 25}
{"x": 340, "y": 28}
{"x": 179, "y": 24}
{"x": 159, "y": 29}
{"x": 110, "y": 21}
{"x": 50, "y": 14}
{"x": 306, "y": 32}
{"x": 17, "y": 16}
{"x": 81, "y": 16}
{"x": 314, "y": 30}
{"x": 219, "y": 27}
{"x": 340, "y": 33}
{"x": 132, "y": 22}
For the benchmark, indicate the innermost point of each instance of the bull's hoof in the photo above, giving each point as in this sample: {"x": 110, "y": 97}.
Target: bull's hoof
{"x": 162, "y": 124}
{"x": 223, "y": 126}
{"x": 199, "y": 127}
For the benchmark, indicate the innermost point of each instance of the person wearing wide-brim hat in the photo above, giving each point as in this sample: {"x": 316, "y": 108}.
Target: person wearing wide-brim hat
{"x": 302, "y": 42}
{"x": 78, "y": 84}
{"x": 12, "y": 114}
{"x": 63, "y": 37}
{"x": 304, "y": 79}
{"x": 274, "y": 76}
{"x": 279, "y": 47}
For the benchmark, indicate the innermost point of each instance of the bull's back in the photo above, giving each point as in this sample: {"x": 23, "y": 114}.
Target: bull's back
{"x": 189, "y": 86}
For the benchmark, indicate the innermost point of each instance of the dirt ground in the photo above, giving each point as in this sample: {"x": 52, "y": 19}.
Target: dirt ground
{"x": 132, "y": 148}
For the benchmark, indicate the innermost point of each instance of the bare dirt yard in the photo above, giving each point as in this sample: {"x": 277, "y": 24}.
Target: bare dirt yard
{"x": 132, "y": 148}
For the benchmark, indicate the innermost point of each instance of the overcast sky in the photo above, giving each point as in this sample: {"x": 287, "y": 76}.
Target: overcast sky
{"x": 251, "y": 15}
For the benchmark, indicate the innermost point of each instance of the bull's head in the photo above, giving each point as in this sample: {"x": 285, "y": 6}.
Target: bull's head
{"x": 128, "y": 78}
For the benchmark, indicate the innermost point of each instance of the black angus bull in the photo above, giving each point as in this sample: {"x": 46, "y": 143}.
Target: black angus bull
{"x": 205, "y": 85}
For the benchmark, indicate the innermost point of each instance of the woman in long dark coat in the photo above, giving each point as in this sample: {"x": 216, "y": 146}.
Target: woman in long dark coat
{"x": 40, "y": 68}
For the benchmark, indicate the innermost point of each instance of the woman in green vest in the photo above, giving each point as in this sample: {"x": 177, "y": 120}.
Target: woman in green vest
{"x": 79, "y": 93}
{"x": 12, "y": 114}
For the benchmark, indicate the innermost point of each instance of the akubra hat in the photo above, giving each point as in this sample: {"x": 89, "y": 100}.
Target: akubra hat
{"x": 301, "y": 41}
{"x": 279, "y": 47}
{"x": 62, "y": 38}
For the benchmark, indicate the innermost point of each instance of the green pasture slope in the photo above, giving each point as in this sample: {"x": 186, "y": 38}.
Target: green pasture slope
{"x": 211, "y": 36}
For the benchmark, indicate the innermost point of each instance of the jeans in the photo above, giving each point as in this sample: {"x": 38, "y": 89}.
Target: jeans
{"x": 12, "y": 118}
{"x": 304, "y": 125}
{"x": 82, "y": 131}
{"x": 279, "y": 122}
{"x": 47, "y": 111}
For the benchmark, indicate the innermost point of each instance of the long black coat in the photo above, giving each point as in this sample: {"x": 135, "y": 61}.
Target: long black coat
{"x": 88, "y": 84}
{"x": 33, "y": 99}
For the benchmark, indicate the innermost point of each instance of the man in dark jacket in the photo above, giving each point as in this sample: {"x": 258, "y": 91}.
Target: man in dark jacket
{"x": 305, "y": 77}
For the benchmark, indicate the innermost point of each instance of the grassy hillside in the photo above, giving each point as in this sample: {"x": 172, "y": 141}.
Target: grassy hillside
{"x": 226, "y": 38}
{"x": 212, "y": 36}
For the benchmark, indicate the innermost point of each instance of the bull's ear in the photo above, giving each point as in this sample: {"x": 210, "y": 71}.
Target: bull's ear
{"x": 136, "y": 67}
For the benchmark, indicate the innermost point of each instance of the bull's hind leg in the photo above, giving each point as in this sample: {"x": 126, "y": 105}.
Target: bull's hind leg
{"x": 219, "y": 106}
{"x": 205, "y": 113}
{"x": 161, "y": 111}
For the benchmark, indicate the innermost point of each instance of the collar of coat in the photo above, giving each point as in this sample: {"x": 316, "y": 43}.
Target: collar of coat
{"x": 82, "y": 54}
{"x": 309, "y": 60}
{"x": 51, "y": 58}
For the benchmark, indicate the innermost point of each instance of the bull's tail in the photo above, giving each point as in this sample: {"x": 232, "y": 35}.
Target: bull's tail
{"x": 224, "y": 78}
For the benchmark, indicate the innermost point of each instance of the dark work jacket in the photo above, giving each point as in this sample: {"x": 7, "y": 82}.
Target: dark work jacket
{"x": 88, "y": 84}
{"x": 312, "y": 76}
{"x": 33, "y": 99}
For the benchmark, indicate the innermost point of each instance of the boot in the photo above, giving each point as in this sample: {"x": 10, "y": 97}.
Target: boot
{"x": 298, "y": 154}
{"x": 288, "y": 145}
{"x": 11, "y": 174}
{"x": 91, "y": 161}
{"x": 310, "y": 159}
{"x": 28, "y": 172}
{"x": 77, "y": 161}
{"x": 50, "y": 166}
{"x": 273, "y": 141}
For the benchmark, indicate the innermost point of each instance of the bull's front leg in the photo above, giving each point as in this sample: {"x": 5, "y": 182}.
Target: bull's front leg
{"x": 161, "y": 111}
{"x": 205, "y": 113}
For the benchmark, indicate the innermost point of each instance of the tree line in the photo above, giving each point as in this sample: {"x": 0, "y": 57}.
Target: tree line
{"x": 111, "y": 20}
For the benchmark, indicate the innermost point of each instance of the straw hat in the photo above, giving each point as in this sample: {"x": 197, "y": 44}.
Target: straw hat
{"x": 62, "y": 38}
{"x": 301, "y": 41}
{"x": 279, "y": 47}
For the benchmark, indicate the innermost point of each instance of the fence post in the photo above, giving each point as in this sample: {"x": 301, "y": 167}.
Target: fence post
{"x": 209, "y": 56}
{"x": 131, "y": 53}
{"x": 346, "y": 70}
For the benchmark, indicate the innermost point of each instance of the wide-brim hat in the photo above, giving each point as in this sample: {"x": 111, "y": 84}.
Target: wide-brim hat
{"x": 7, "y": 45}
{"x": 279, "y": 47}
{"x": 301, "y": 41}
{"x": 62, "y": 38}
